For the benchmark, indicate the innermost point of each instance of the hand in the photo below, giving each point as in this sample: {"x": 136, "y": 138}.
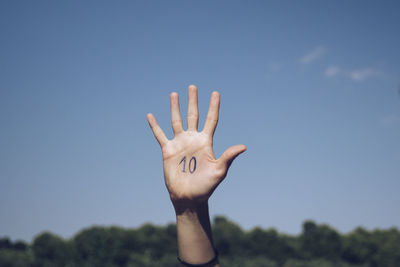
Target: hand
{"x": 191, "y": 170}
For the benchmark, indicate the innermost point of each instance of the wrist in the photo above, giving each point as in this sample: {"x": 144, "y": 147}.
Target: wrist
{"x": 190, "y": 209}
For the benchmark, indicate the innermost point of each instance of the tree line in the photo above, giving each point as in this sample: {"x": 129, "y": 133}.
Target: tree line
{"x": 150, "y": 245}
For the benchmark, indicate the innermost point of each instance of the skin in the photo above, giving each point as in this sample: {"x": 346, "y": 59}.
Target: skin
{"x": 190, "y": 188}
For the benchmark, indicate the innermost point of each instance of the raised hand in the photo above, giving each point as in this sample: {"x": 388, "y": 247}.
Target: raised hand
{"x": 191, "y": 170}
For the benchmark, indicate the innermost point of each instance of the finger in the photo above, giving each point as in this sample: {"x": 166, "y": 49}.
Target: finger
{"x": 230, "y": 154}
{"x": 157, "y": 131}
{"x": 213, "y": 113}
{"x": 193, "y": 109}
{"x": 176, "y": 119}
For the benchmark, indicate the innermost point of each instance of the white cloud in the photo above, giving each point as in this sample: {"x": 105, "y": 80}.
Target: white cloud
{"x": 313, "y": 55}
{"x": 332, "y": 71}
{"x": 362, "y": 74}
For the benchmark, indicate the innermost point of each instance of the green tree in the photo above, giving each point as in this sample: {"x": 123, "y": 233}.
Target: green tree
{"x": 358, "y": 247}
{"x": 228, "y": 237}
{"x": 268, "y": 243}
{"x": 99, "y": 246}
{"x": 388, "y": 243}
{"x": 5, "y": 243}
{"x": 20, "y": 246}
{"x": 50, "y": 250}
{"x": 157, "y": 241}
{"x": 248, "y": 262}
{"x": 320, "y": 242}
{"x": 155, "y": 246}
{"x": 15, "y": 258}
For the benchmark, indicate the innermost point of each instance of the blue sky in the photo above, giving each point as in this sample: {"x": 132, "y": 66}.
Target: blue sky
{"x": 311, "y": 88}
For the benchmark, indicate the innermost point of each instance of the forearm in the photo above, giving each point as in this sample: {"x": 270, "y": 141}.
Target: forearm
{"x": 195, "y": 242}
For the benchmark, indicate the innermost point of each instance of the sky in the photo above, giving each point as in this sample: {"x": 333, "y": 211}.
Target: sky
{"x": 312, "y": 88}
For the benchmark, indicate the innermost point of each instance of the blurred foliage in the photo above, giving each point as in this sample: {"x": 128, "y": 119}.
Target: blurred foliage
{"x": 155, "y": 246}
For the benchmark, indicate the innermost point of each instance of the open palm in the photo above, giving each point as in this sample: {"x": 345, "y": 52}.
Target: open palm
{"x": 191, "y": 170}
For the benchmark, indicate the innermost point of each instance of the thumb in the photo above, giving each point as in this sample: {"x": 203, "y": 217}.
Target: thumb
{"x": 230, "y": 154}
